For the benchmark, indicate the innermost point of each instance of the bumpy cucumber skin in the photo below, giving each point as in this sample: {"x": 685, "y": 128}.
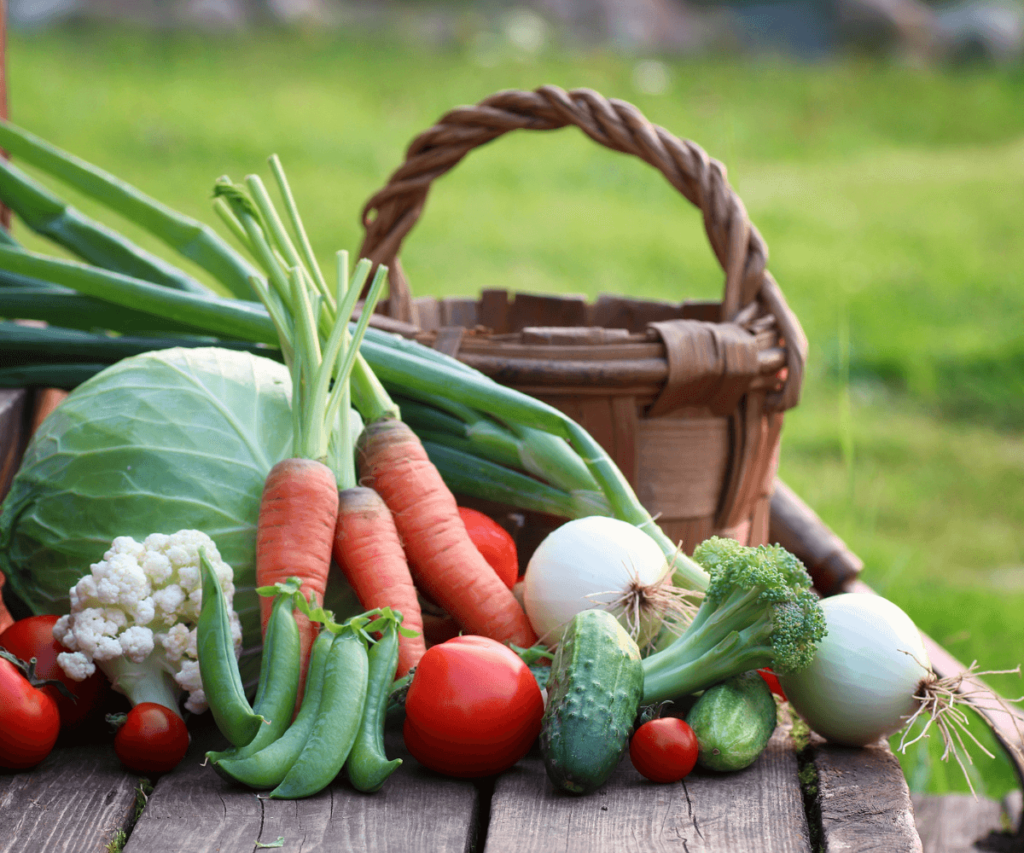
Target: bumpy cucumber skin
{"x": 594, "y": 694}
{"x": 733, "y": 722}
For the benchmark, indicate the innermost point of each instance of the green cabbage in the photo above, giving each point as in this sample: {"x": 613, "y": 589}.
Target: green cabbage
{"x": 166, "y": 440}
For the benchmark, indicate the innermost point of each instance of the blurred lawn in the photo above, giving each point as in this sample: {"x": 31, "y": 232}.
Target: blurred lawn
{"x": 892, "y": 200}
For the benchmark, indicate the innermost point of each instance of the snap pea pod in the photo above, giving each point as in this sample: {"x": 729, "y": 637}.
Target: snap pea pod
{"x": 337, "y": 721}
{"x": 218, "y": 666}
{"x": 368, "y": 766}
{"x": 267, "y": 767}
{"x": 278, "y": 681}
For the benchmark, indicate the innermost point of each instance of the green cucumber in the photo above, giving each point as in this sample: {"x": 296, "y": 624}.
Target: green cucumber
{"x": 733, "y": 722}
{"x": 594, "y": 693}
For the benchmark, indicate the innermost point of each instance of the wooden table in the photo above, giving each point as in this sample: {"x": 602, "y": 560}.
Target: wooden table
{"x": 80, "y": 798}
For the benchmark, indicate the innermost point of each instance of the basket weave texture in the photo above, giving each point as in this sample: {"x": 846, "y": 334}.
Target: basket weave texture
{"x": 687, "y": 398}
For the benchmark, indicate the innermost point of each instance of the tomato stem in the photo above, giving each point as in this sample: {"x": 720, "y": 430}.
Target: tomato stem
{"x": 28, "y": 669}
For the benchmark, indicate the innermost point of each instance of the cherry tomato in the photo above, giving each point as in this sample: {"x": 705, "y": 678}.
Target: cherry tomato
{"x": 664, "y": 749}
{"x": 152, "y": 739}
{"x": 494, "y": 542}
{"x": 772, "y": 680}
{"x": 29, "y": 720}
{"x": 473, "y": 708}
{"x": 33, "y": 638}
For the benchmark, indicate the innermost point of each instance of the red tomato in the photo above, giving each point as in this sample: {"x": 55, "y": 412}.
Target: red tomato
{"x": 473, "y": 708}
{"x": 772, "y": 680}
{"x": 33, "y": 638}
{"x": 664, "y": 749}
{"x": 153, "y": 739}
{"x": 494, "y": 542}
{"x": 29, "y": 720}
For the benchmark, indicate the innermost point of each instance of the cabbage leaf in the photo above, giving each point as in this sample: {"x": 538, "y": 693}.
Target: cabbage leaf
{"x": 158, "y": 442}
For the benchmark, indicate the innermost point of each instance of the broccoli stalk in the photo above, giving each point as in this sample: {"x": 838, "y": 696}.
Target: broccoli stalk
{"x": 758, "y": 611}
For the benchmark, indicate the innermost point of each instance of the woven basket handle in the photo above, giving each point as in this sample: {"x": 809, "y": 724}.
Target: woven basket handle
{"x": 391, "y": 213}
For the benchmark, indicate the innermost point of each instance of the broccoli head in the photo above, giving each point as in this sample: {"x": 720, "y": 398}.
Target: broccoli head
{"x": 758, "y": 611}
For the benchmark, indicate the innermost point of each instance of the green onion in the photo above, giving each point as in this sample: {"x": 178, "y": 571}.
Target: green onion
{"x": 188, "y": 237}
{"x": 52, "y": 343}
{"x": 50, "y": 216}
{"x": 233, "y": 318}
{"x": 61, "y": 306}
{"x": 64, "y": 376}
{"x": 474, "y": 476}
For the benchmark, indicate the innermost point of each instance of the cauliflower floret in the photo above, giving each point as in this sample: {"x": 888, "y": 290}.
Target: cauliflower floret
{"x": 135, "y": 616}
{"x": 136, "y": 643}
{"x": 76, "y": 665}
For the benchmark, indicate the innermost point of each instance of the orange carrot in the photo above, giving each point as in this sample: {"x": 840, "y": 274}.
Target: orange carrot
{"x": 369, "y": 551}
{"x": 294, "y": 536}
{"x": 446, "y": 565}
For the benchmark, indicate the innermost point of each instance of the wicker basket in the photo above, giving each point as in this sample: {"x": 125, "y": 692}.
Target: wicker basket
{"x": 688, "y": 398}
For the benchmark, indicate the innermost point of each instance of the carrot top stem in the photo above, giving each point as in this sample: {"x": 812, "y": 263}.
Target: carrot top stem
{"x": 311, "y": 319}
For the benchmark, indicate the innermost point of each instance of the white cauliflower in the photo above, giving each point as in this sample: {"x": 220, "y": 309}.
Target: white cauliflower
{"x": 135, "y": 617}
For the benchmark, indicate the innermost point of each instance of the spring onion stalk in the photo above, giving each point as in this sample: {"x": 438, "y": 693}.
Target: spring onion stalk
{"x": 29, "y": 343}
{"x": 190, "y": 238}
{"x": 469, "y": 474}
{"x": 55, "y": 219}
{"x": 572, "y": 503}
{"x": 67, "y": 377}
{"x": 233, "y": 318}
{"x": 60, "y": 306}
{"x": 534, "y": 451}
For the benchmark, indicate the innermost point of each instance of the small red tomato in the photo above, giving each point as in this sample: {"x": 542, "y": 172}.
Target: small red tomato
{"x": 473, "y": 708}
{"x": 494, "y": 542}
{"x": 32, "y": 637}
{"x": 152, "y": 739}
{"x": 664, "y": 749}
{"x": 29, "y": 720}
{"x": 772, "y": 680}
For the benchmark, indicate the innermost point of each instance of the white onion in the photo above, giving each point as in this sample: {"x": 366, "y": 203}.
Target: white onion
{"x": 863, "y": 679}
{"x": 595, "y": 562}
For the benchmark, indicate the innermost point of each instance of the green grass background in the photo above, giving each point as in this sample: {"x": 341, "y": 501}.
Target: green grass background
{"x": 891, "y": 198}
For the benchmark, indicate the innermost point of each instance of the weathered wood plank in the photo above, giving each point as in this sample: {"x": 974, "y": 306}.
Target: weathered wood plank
{"x": 193, "y": 809}
{"x": 755, "y": 810}
{"x": 12, "y": 433}
{"x": 864, "y": 799}
{"x": 416, "y": 812}
{"x": 954, "y": 822}
{"x": 76, "y": 801}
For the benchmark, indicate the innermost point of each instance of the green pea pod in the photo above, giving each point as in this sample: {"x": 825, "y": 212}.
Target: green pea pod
{"x": 279, "y": 679}
{"x": 368, "y": 766}
{"x": 218, "y": 666}
{"x": 267, "y": 767}
{"x": 337, "y": 721}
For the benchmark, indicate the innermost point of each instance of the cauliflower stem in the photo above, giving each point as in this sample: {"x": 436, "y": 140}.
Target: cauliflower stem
{"x": 149, "y": 681}
{"x": 758, "y": 611}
